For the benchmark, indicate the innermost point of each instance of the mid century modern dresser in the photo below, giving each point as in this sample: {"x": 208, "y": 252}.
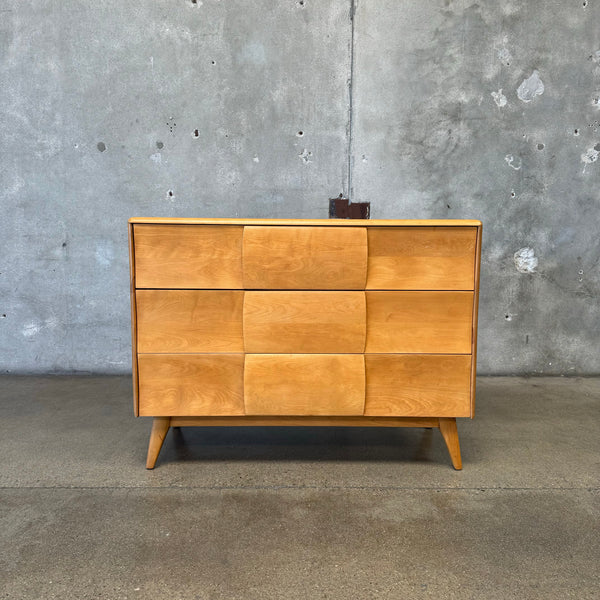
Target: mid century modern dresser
{"x": 304, "y": 322}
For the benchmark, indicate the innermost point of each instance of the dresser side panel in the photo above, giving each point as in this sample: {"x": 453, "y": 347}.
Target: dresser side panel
{"x": 134, "y": 364}
{"x": 475, "y": 319}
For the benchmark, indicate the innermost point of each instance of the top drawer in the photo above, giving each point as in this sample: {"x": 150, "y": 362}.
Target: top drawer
{"x": 188, "y": 256}
{"x": 316, "y": 257}
{"x": 421, "y": 258}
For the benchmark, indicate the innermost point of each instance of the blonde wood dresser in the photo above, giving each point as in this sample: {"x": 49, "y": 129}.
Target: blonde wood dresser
{"x": 304, "y": 322}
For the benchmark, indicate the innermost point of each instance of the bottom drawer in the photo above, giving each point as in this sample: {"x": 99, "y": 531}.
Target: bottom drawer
{"x": 304, "y": 384}
{"x": 191, "y": 385}
{"x": 418, "y": 385}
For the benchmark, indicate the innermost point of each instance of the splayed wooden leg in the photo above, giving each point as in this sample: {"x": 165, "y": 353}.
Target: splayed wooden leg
{"x": 160, "y": 428}
{"x": 450, "y": 435}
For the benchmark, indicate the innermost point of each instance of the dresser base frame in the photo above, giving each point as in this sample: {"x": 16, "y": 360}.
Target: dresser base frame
{"x": 161, "y": 425}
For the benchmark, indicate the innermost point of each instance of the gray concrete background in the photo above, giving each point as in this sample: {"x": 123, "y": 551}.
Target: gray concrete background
{"x": 412, "y": 106}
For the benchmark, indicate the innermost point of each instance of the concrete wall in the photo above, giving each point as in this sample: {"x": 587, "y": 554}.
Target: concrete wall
{"x": 418, "y": 107}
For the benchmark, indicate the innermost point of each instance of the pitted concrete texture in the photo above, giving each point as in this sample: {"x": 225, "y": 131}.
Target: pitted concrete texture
{"x": 205, "y": 108}
{"x": 298, "y": 512}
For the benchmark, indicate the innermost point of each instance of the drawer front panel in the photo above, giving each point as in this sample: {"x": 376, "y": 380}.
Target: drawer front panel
{"x": 191, "y": 384}
{"x": 188, "y": 256}
{"x": 419, "y": 322}
{"x": 418, "y": 385}
{"x": 304, "y": 384}
{"x": 422, "y": 258}
{"x": 190, "y": 320}
{"x": 305, "y": 258}
{"x": 304, "y": 322}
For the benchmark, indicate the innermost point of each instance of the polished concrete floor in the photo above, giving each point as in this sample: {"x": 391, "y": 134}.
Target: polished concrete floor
{"x": 298, "y": 513}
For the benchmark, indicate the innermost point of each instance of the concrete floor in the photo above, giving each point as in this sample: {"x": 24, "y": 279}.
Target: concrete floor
{"x": 298, "y": 513}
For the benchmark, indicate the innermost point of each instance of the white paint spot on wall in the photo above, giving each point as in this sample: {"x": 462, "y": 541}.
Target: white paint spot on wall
{"x": 512, "y": 162}
{"x": 596, "y": 56}
{"x": 156, "y": 158}
{"x": 256, "y": 159}
{"x": 254, "y": 54}
{"x": 30, "y": 329}
{"x": 531, "y": 87}
{"x": 499, "y": 98}
{"x": 504, "y": 54}
{"x": 305, "y": 156}
{"x": 51, "y": 323}
{"x": 525, "y": 260}
{"x": 104, "y": 253}
{"x": 590, "y": 155}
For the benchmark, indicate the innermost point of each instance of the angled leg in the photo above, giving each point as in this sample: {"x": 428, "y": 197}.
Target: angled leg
{"x": 160, "y": 428}
{"x": 450, "y": 435}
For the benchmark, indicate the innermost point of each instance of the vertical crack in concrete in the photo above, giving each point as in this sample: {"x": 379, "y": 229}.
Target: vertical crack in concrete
{"x": 350, "y": 98}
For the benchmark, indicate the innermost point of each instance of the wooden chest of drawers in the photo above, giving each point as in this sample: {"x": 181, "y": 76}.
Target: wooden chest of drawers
{"x": 304, "y": 322}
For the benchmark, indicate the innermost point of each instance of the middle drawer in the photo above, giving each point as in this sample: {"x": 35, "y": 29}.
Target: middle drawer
{"x": 304, "y": 322}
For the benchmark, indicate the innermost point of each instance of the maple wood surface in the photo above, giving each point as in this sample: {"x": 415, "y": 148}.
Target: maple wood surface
{"x": 172, "y": 321}
{"x": 133, "y": 320}
{"x": 188, "y": 256}
{"x": 311, "y": 222}
{"x": 191, "y": 384}
{"x": 475, "y": 320}
{"x": 421, "y": 258}
{"x": 304, "y": 258}
{"x": 304, "y": 384}
{"x": 417, "y": 385}
{"x": 306, "y": 421}
{"x": 450, "y": 435}
{"x": 160, "y": 428}
{"x": 420, "y": 322}
{"x": 304, "y": 322}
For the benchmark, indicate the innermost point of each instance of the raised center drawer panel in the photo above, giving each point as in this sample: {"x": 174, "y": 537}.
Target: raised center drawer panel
{"x": 188, "y": 256}
{"x": 304, "y": 384}
{"x": 305, "y": 258}
{"x": 190, "y": 320}
{"x": 419, "y": 322}
{"x": 422, "y": 258}
{"x": 304, "y": 322}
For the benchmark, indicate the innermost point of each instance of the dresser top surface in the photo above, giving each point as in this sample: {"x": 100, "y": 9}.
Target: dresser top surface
{"x": 311, "y": 222}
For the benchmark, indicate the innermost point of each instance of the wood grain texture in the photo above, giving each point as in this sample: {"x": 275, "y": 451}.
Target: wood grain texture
{"x": 312, "y": 222}
{"x": 475, "y": 319}
{"x": 305, "y": 258}
{"x": 420, "y": 322}
{"x": 304, "y": 421}
{"x": 160, "y": 428}
{"x": 191, "y": 384}
{"x": 421, "y": 258}
{"x": 450, "y": 435}
{"x": 173, "y": 321}
{"x": 134, "y": 368}
{"x": 304, "y": 384}
{"x": 304, "y": 322}
{"x": 417, "y": 385}
{"x": 188, "y": 256}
